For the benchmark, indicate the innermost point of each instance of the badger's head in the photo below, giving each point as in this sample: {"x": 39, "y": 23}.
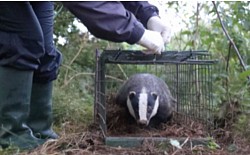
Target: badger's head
{"x": 142, "y": 105}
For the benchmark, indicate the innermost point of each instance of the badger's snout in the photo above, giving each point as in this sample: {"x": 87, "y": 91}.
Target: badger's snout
{"x": 143, "y": 122}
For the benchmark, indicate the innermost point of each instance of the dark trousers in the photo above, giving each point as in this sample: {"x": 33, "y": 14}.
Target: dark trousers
{"x": 26, "y": 39}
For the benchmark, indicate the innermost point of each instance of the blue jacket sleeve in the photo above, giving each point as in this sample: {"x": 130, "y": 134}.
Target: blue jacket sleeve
{"x": 142, "y": 10}
{"x": 110, "y": 20}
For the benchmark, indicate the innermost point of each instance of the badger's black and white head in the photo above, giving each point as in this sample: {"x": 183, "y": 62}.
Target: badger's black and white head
{"x": 142, "y": 105}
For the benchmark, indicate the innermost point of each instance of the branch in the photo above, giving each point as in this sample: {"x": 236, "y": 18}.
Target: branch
{"x": 89, "y": 74}
{"x": 230, "y": 39}
{"x": 77, "y": 54}
{"x": 122, "y": 70}
{"x": 195, "y": 44}
{"x": 58, "y": 12}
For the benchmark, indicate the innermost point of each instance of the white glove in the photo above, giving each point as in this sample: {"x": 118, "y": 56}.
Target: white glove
{"x": 156, "y": 24}
{"x": 152, "y": 41}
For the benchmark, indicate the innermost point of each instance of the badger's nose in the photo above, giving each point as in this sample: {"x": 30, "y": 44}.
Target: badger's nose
{"x": 143, "y": 122}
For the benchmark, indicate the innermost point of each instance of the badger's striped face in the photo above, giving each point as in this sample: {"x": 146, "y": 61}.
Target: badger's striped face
{"x": 143, "y": 106}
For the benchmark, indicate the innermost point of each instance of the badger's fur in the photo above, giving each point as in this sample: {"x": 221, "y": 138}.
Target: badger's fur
{"x": 147, "y": 96}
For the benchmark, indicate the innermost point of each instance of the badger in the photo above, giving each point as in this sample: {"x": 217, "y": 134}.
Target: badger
{"x": 147, "y": 99}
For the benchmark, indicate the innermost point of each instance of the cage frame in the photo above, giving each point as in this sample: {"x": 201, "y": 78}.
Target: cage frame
{"x": 139, "y": 57}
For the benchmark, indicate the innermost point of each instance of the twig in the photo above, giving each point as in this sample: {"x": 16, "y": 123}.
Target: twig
{"x": 58, "y": 12}
{"x": 114, "y": 78}
{"x": 228, "y": 57}
{"x": 71, "y": 78}
{"x": 229, "y": 38}
{"x": 195, "y": 36}
{"x": 69, "y": 68}
{"x": 74, "y": 58}
{"x": 181, "y": 146}
{"x": 122, "y": 70}
{"x": 185, "y": 142}
{"x": 77, "y": 54}
{"x": 91, "y": 74}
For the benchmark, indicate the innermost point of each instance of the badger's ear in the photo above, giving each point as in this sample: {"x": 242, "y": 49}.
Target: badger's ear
{"x": 154, "y": 94}
{"x": 132, "y": 94}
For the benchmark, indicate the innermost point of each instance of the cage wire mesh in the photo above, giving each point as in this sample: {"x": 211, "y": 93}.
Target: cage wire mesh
{"x": 187, "y": 73}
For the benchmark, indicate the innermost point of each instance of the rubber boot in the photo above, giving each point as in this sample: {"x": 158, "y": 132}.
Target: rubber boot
{"x": 40, "y": 118}
{"x": 15, "y": 91}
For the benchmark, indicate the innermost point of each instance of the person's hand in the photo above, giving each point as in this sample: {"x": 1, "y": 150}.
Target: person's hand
{"x": 157, "y": 24}
{"x": 153, "y": 41}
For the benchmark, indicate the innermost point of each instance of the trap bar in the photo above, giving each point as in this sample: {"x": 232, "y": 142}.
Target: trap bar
{"x": 187, "y": 73}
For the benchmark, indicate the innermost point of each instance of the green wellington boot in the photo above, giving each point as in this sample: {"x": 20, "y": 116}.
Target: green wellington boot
{"x": 40, "y": 118}
{"x": 15, "y": 91}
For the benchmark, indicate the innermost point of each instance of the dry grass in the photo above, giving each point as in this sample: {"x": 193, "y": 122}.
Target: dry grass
{"x": 77, "y": 139}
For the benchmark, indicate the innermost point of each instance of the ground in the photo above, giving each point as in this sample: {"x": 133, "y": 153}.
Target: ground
{"x": 90, "y": 141}
{"x": 78, "y": 139}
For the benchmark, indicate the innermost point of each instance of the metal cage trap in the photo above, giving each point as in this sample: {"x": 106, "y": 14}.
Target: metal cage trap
{"x": 187, "y": 73}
